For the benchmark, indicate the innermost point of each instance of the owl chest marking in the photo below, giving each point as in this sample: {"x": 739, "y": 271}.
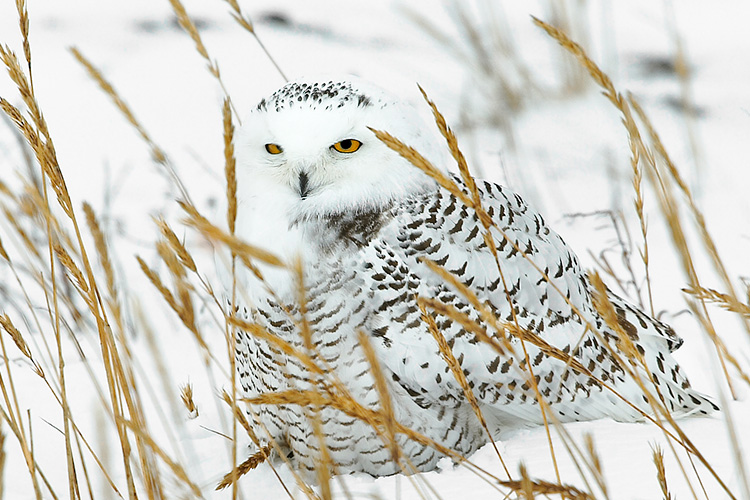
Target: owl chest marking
{"x": 356, "y": 227}
{"x": 353, "y": 228}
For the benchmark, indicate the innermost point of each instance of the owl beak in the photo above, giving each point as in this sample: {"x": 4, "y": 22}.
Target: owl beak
{"x": 304, "y": 186}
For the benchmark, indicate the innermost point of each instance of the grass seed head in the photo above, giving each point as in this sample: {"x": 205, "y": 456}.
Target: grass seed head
{"x": 230, "y": 167}
{"x": 186, "y": 395}
{"x": 177, "y": 246}
{"x": 9, "y": 327}
{"x": 251, "y": 463}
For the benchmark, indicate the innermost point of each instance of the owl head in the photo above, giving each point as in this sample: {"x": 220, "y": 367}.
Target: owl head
{"x": 309, "y": 149}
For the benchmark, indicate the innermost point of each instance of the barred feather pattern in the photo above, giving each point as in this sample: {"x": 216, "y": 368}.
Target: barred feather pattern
{"x": 367, "y": 275}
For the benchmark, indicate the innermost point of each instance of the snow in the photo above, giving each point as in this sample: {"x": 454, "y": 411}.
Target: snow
{"x": 569, "y": 154}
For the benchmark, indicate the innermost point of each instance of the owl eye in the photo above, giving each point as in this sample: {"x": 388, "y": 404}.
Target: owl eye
{"x": 347, "y": 146}
{"x": 274, "y": 149}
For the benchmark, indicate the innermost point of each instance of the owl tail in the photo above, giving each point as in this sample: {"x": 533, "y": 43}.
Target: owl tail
{"x": 655, "y": 341}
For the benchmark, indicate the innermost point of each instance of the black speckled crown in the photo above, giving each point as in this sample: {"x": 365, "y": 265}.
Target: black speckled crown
{"x": 318, "y": 95}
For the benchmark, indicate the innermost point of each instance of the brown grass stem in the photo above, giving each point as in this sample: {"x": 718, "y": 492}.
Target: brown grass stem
{"x": 244, "y": 21}
{"x": 157, "y": 154}
{"x": 186, "y": 22}
{"x": 447, "y": 353}
{"x": 661, "y": 476}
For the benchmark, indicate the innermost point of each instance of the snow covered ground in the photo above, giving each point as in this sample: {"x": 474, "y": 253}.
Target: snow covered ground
{"x": 562, "y": 149}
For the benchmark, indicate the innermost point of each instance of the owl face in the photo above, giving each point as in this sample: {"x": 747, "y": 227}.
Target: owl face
{"x": 310, "y": 145}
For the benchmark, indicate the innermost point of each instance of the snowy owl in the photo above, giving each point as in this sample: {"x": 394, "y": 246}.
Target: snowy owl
{"x": 316, "y": 186}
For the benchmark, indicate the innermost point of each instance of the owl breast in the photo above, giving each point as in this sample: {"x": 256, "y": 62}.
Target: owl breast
{"x": 339, "y": 298}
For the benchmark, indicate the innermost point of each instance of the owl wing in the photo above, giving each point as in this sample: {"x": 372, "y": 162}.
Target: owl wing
{"x": 440, "y": 228}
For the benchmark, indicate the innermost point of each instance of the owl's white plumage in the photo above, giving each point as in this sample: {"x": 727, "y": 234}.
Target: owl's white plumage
{"x": 360, "y": 222}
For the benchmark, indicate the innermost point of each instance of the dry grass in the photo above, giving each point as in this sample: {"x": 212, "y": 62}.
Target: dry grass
{"x": 529, "y": 489}
{"x": 92, "y": 300}
{"x": 251, "y": 463}
{"x": 447, "y": 353}
{"x": 244, "y": 21}
{"x": 186, "y": 394}
{"x": 661, "y": 475}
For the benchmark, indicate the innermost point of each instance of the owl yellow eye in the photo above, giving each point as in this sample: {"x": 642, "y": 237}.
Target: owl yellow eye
{"x": 347, "y": 146}
{"x": 274, "y": 149}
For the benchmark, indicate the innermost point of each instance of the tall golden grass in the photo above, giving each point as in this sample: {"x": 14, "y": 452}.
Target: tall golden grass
{"x": 80, "y": 290}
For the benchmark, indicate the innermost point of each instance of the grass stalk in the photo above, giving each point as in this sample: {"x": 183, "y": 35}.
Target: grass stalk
{"x": 447, "y": 353}
{"x": 186, "y": 22}
{"x": 157, "y": 154}
{"x": 244, "y": 21}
